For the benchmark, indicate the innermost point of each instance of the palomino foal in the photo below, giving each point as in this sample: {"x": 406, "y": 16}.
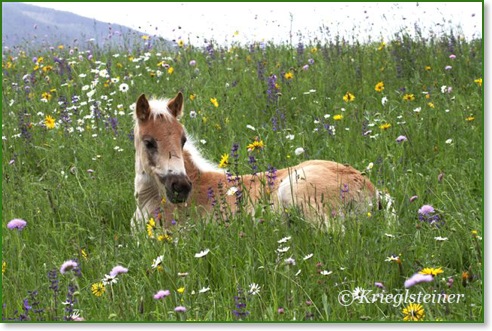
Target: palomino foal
{"x": 171, "y": 174}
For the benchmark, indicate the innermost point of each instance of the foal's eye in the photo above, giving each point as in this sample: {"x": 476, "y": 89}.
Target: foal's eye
{"x": 183, "y": 141}
{"x": 150, "y": 144}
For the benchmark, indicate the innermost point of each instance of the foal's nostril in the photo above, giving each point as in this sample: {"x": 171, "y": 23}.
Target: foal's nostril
{"x": 177, "y": 188}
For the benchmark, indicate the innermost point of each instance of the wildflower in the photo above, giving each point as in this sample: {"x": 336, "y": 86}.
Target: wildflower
{"x": 46, "y": 96}
{"x": 379, "y": 87}
{"x": 413, "y": 312}
{"x": 338, "y": 117}
{"x": 325, "y": 272}
{"x": 290, "y": 261}
{"x": 180, "y": 43}
{"x": 284, "y": 240}
{"x": 288, "y": 75}
{"x": 150, "y": 227}
{"x": 307, "y": 257}
{"x": 401, "y": 139}
{"x": 448, "y": 67}
{"x": 192, "y": 63}
{"x": 426, "y": 209}
{"x": 428, "y": 68}
{"x": 224, "y": 161}
{"x": 452, "y": 56}
{"x": 305, "y": 67}
{"x": 67, "y": 266}
{"x": 170, "y": 70}
{"x": 180, "y": 290}
{"x": 418, "y": 278}
{"x": 16, "y": 223}
{"x": 257, "y": 144}
{"x": 470, "y": 118}
{"x": 180, "y": 309}
{"x": 254, "y": 289}
{"x": 385, "y": 126}
{"x": 431, "y": 271}
{"x": 202, "y": 253}
{"x": 250, "y": 127}
{"x": 145, "y": 37}
{"x": 478, "y": 81}
{"x": 108, "y": 279}
{"x": 280, "y": 310}
{"x": 413, "y": 198}
{"x": 165, "y": 237}
{"x": 290, "y": 137}
{"x": 214, "y": 102}
{"x": 379, "y": 285}
{"x": 299, "y": 151}
{"x": 157, "y": 262}
{"x": 370, "y": 166}
{"x": 430, "y": 104}
{"x": 348, "y": 97}
{"x": 409, "y": 97}
{"x": 417, "y": 110}
{"x": 449, "y": 141}
{"x": 124, "y": 88}
{"x": 384, "y": 100}
{"x": 204, "y": 290}
{"x": 118, "y": 270}
{"x": 440, "y": 238}
{"x": 4, "y": 267}
{"x": 192, "y": 97}
{"x": 381, "y": 46}
{"x": 393, "y": 258}
{"x": 98, "y": 289}
{"x": 283, "y": 249}
{"x": 450, "y": 282}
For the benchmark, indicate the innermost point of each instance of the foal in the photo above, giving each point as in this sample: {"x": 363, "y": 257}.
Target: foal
{"x": 171, "y": 174}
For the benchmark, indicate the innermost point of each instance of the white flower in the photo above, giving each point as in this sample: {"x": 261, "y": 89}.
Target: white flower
{"x": 157, "y": 262}
{"x": 299, "y": 151}
{"x": 417, "y": 110}
{"x": 290, "y": 137}
{"x": 369, "y": 166}
{"x": 182, "y": 274}
{"x": 124, "y": 87}
{"x": 307, "y": 257}
{"x": 449, "y": 141}
{"x": 389, "y": 235}
{"x": 440, "y": 238}
{"x": 254, "y": 289}
{"x": 358, "y": 292}
{"x": 384, "y": 100}
{"x": 284, "y": 240}
{"x": 298, "y": 273}
{"x": 290, "y": 261}
{"x": 204, "y": 290}
{"x": 192, "y": 114}
{"x": 283, "y": 249}
{"x": 232, "y": 191}
{"x": 250, "y": 127}
{"x": 202, "y": 253}
{"x": 326, "y": 272}
{"x": 109, "y": 280}
{"x": 203, "y": 141}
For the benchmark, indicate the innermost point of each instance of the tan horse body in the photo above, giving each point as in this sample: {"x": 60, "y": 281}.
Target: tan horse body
{"x": 171, "y": 175}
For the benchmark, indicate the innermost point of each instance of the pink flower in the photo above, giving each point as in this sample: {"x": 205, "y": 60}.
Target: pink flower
{"x": 452, "y": 56}
{"x": 401, "y": 139}
{"x": 413, "y": 198}
{"x": 162, "y": 294}
{"x": 180, "y": 309}
{"x": 67, "y": 266}
{"x": 16, "y": 223}
{"x": 448, "y": 68}
{"x": 118, "y": 270}
{"x": 418, "y": 278}
{"x": 192, "y": 63}
{"x": 379, "y": 285}
{"x": 305, "y": 67}
{"x": 426, "y": 209}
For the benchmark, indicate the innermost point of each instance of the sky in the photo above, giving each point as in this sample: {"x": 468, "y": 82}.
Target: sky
{"x": 279, "y": 22}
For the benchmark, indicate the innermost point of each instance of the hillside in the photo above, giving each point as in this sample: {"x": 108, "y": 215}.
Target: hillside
{"x": 32, "y": 27}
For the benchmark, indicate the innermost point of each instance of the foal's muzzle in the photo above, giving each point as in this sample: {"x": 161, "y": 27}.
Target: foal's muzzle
{"x": 178, "y": 187}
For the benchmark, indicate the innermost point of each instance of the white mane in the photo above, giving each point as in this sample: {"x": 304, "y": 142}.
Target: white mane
{"x": 200, "y": 162}
{"x": 157, "y": 107}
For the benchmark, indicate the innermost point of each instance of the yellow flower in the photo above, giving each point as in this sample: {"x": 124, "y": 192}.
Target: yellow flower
{"x": 338, "y": 117}
{"x": 431, "y": 271}
{"x": 409, "y": 97}
{"x": 214, "y": 102}
{"x": 49, "y": 122}
{"x": 236, "y": 33}
{"x": 348, "y": 97}
{"x": 428, "y": 68}
{"x": 314, "y": 50}
{"x": 84, "y": 254}
{"x": 4, "y": 266}
{"x": 98, "y": 289}
{"x": 181, "y": 43}
{"x": 224, "y": 161}
{"x": 430, "y": 104}
{"x": 478, "y": 81}
{"x": 257, "y": 144}
{"x": 379, "y": 87}
{"x": 192, "y": 97}
{"x": 381, "y": 46}
{"x": 145, "y": 37}
{"x": 164, "y": 237}
{"x": 180, "y": 290}
{"x": 288, "y": 75}
{"x": 385, "y": 126}
{"x": 413, "y": 312}
{"x": 46, "y": 96}
{"x": 150, "y": 227}
{"x": 170, "y": 70}
{"x": 47, "y": 68}
{"x": 40, "y": 60}
{"x": 61, "y": 47}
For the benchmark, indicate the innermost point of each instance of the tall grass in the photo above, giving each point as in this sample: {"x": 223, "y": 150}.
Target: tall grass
{"x": 73, "y": 183}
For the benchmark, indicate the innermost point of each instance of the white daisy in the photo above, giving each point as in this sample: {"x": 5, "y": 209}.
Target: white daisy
{"x": 109, "y": 280}
{"x": 254, "y": 289}
{"x": 124, "y": 88}
{"x": 307, "y": 257}
{"x": 284, "y": 240}
{"x": 157, "y": 262}
{"x": 202, "y": 253}
{"x": 440, "y": 238}
{"x": 204, "y": 290}
{"x": 283, "y": 249}
{"x": 326, "y": 272}
{"x": 290, "y": 261}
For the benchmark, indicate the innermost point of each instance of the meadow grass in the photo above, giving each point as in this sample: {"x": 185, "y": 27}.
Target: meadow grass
{"x": 73, "y": 183}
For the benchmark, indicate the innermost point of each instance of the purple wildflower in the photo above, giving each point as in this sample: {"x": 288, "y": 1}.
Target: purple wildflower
{"x": 413, "y": 198}
{"x": 418, "y": 278}
{"x": 311, "y": 61}
{"x": 426, "y": 210}
{"x": 192, "y": 63}
{"x": 452, "y": 56}
{"x": 379, "y": 285}
{"x": 401, "y": 139}
{"x": 118, "y": 270}
{"x": 162, "y": 294}
{"x": 180, "y": 309}
{"x": 305, "y": 67}
{"x": 67, "y": 266}
{"x": 280, "y": 310}
{"x": 16, "y": 223}
{"x": 448, "y": 68}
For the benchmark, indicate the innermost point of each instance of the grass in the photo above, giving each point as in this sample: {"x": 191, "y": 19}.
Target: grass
{"x": 73, "y": 184}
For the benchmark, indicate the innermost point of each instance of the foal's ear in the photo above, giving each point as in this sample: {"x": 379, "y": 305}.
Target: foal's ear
{"x": 142, "y": 109}
{"x": 176, "y": 105}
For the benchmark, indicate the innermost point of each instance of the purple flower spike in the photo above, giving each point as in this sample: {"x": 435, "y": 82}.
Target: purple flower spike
{"x": 16, "y": 223}
{"x": 426, "y": 210}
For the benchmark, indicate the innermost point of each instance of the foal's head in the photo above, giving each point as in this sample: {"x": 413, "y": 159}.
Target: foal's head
{"x": 159, "y": 141}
